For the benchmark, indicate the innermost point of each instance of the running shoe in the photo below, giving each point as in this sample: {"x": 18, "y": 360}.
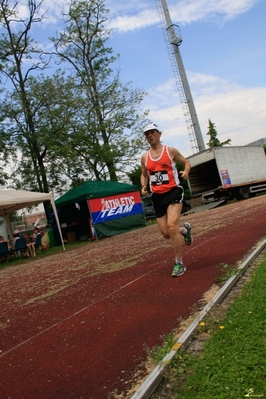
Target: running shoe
{"x": 178, "y": 270}
{"x": 188, "y": 237}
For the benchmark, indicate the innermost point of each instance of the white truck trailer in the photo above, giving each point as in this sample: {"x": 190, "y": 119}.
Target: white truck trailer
{"x": 228, "y": 172}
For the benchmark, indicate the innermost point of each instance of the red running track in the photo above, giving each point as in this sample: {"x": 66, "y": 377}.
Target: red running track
{"x": 71, "y": 329}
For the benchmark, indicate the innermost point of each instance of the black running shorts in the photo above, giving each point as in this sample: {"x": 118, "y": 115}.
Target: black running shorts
{"x": 162, "y": 201}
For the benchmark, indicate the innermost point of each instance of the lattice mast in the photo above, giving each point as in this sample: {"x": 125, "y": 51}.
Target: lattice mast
{"x": 173, "y": 40}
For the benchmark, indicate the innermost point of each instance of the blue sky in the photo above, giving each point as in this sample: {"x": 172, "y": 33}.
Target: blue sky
{"x": 224, "y": 54}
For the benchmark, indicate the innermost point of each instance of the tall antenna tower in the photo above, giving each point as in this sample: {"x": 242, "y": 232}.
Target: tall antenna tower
{"x": 173, "y": 40}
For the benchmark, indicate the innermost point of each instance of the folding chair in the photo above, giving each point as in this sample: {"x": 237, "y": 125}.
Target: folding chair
{"x": 38, "y": 243}
{"x": 20, "y": 246}
{"x": 4, "y": 251}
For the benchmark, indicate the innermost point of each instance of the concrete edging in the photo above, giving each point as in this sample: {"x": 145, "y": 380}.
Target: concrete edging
{"x": 156, "y": 376}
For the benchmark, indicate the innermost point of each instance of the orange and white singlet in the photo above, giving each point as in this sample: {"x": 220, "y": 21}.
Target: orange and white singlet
{"x": 163, "y": 174}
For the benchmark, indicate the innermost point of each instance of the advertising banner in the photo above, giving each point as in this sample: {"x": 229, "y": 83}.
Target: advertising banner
{"x": 226, "y": 178}
{"x": 115, "y": 207}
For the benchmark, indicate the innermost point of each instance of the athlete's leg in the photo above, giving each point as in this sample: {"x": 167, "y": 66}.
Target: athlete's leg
{"x": 163, "y": 227}
{"x": 169, "y": 227}
{"x": 173, "y": 221}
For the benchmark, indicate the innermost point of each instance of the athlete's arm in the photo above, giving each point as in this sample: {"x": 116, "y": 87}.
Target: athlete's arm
{"x": 144, "y": 176}
{"x": 178, "y": 157}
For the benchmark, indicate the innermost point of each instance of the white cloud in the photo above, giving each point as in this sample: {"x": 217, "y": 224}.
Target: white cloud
{"x": 50, "y": 12}
{"x": 22, "y": 10}
{"x": 132, "y": 22}
{"x": 192, "y": 11}
{"x": 136, "y": 14}
{"x": 237, "y": 112}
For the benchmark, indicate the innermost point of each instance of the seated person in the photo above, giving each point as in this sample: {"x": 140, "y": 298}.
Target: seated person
{"x": 36, "y": 231}
{"x": 3, "y": 240}
{"x": 16, "y": 236}
{"x": 30, "y": 251}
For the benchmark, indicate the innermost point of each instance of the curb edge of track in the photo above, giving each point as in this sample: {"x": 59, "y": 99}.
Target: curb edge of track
{"x": 155, "y": 377}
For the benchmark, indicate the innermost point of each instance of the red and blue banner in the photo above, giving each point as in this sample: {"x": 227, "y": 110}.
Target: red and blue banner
{"x": 115, "y": 207}
{"x": 226, "y": 178}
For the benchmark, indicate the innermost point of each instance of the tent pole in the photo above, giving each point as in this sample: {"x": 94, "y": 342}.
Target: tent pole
{"x": 58, "y": 223}
{"x": 9, "y": 229}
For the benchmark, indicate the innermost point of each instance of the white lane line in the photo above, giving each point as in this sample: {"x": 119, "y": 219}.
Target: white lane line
{"x": 76, "y": 313}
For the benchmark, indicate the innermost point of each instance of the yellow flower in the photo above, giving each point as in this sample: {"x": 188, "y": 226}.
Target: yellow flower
{"x": 202, "y": 324}
{"x": 221, "y": 327}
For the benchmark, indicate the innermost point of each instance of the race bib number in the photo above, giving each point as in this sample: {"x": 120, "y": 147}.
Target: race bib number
{"x": 158, "y": 178}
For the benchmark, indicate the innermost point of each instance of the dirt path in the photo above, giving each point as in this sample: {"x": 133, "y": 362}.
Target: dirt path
{"x": 77, "y": 324}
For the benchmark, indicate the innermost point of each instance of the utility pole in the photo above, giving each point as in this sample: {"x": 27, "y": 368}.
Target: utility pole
{"x": 173, "y": 40}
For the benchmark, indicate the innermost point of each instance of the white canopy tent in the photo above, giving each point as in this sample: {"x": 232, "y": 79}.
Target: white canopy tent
{"x": 13, "y": 200}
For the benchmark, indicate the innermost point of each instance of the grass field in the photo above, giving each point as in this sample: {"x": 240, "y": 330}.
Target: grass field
{"x": 232, "y": 363}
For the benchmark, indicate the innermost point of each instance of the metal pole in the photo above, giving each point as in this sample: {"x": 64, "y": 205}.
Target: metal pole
{"x": 175, "y": 41}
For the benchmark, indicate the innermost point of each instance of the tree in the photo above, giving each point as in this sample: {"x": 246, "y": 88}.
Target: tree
{"x": 58, "y": 131}
{"x": 108, "y": 134}
{"x": 19, "y": 58}
{"x": 43, "y": 158}
{"x": 134, "y": 175}
{"x": 38, "y": 113}
{"x": 214, "y": 141}
{"x": 55, "y": 105}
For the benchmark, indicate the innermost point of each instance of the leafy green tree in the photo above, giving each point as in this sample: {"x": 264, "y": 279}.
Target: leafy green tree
{"x": 214, "y": 141}
{"x": 20, "y": 57}
{"x": 38, "y": 113}
{"x": 57, "y": 131}
{"x": 43, "y": 159}
{"x": 134, "y": 175}
{"x": 3, "y": 174}
{"x": 108, "y": 132}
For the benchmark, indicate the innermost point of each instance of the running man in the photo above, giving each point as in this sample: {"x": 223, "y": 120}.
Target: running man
{"x": 159, "y": 166}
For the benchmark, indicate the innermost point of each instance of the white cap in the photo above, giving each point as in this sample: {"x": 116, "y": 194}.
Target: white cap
{"x": 16, "y": 232}
{"x": 150, "y": 126}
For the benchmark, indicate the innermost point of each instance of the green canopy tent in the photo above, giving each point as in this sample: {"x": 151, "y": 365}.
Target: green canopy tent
{"x": 100, "y": 209}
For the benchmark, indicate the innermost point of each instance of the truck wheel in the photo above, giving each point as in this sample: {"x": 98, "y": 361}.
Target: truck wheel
{"x": 231, "y": 195}
{"x": 244, "y": 192}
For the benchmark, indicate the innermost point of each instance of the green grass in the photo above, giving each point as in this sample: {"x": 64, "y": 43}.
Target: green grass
{"x": 160, "y": 351}
{"x": 225, "y": 272}
{"x": 232, "y": 363}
